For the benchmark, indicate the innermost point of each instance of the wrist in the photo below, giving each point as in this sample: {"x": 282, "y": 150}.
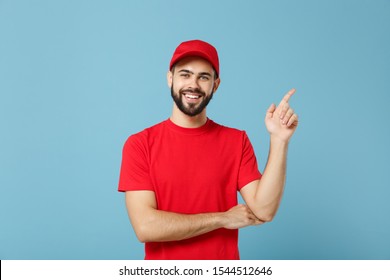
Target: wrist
{"x": 278, "y": 140}
{"x": 221, "y": 219}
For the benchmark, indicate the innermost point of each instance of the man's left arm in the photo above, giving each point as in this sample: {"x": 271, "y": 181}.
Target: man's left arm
{"x": 263, "y": 196}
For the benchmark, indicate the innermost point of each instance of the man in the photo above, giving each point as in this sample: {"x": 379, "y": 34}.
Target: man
{"x": 182, "y": 175}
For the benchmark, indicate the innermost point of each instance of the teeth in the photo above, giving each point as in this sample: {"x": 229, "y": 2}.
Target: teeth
{"x": 192, "y": 96}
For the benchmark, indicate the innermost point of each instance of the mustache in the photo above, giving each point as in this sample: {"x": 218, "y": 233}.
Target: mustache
{"x": 192, "y": 90}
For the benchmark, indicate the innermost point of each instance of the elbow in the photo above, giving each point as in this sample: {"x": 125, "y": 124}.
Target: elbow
{"x": 265, "y": 214}
{"x": 143, "y": 233}
{"x": 142, "y": 227}
{"x": 265, "y": 217}
{"x": 268, "y": 219}
{"x": 141, "y": 237}
{"x": 146, "y": 230}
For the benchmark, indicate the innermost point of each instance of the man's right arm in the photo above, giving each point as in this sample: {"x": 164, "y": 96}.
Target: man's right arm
{"x": 153, "y": 225}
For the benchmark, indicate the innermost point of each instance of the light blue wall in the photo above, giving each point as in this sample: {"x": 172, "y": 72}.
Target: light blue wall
{"x": 78, "y": 77}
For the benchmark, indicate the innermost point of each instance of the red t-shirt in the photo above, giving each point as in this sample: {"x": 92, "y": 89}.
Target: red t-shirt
{"x": 191, "y": 171}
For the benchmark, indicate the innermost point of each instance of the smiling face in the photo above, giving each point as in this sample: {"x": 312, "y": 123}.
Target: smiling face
{"x": 193, "y": 82}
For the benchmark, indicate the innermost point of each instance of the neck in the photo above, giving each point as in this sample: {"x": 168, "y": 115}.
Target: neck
{"x": 183, "y": 120}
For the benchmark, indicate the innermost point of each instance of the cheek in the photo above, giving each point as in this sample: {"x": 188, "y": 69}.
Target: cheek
{"x": 179, "y": 85}
{"x": 175, "y": 86}
{"x": 209, "y": 88}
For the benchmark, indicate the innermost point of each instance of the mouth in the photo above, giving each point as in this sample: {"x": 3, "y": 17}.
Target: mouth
{"x": 192, "y": 96}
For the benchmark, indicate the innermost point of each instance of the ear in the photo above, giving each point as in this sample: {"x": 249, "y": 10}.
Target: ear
{"x": 216, "y": 84}
{"x": 169, "y": 79}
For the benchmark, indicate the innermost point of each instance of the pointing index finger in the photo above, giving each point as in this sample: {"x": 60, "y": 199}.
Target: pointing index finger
{"x": 287, "y": 97}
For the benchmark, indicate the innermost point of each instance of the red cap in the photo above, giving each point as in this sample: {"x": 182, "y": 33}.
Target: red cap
{"x": 196, "y": 48}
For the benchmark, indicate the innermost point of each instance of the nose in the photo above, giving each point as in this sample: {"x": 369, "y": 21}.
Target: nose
{"x": 193, "y": 83}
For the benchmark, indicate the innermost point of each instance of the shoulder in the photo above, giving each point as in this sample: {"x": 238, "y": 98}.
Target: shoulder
{"x": 148, "y": 131}
{"x": 142, "y": 137}
{"x": 228, "y": 131}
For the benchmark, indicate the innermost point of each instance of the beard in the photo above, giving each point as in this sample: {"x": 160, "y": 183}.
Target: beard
{"x": 191, "y": 109}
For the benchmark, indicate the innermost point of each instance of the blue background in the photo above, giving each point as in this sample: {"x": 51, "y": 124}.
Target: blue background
{"x": 78, "y": 77}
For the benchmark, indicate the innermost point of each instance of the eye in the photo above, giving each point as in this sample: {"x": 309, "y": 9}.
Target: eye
{"x": 204, "y": 78}
{"x": 185, "y": 75}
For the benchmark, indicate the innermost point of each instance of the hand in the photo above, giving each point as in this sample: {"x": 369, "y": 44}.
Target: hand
{"x": 240, "y": 216}
{"x": 281, "y": 121}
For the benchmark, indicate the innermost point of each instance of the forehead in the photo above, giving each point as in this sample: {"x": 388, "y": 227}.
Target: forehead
{"x": 195, "y": 64}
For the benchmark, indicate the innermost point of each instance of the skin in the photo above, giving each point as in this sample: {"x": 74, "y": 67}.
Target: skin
{"x": 262, "y": 197}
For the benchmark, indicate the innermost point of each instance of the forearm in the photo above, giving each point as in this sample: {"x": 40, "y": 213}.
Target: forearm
{"x": 153, "y": 225}
{"x": 270, "y": 188}
{"x": 160, "y": 225}
{"x": 264, "y": 196}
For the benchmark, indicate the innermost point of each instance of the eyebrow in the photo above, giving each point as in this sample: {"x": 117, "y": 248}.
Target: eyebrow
{"x": 190, "y": 72}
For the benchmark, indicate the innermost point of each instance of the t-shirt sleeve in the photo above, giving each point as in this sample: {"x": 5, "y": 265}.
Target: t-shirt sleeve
{"x": 134, "y": 172}
{"x": 249, "y": 170}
